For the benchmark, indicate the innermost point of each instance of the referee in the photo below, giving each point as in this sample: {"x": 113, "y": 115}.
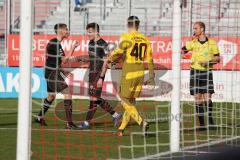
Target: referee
{"x": 96, "y": 51}
{"x": 55, "y": 75}
{"x": 205, "y": 54}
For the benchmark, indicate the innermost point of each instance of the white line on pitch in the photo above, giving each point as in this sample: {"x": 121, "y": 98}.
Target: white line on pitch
{"x": 63, "y": 130}
{"x": 201, "y": 152}
{"x": 188, "y": 148}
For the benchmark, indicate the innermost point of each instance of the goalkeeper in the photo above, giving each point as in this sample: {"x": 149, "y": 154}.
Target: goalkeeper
{"x": 136, "y": 50}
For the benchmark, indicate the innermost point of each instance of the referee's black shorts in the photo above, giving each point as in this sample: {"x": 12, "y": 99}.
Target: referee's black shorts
{"x": 201, "y": 82}
{"x": 93, "y": 90}
{"x": 55, "y": 81}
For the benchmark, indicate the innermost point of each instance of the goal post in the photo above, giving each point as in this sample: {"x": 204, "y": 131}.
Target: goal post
{"x": 24, "y": 99}
{"x": 176, "y": 69}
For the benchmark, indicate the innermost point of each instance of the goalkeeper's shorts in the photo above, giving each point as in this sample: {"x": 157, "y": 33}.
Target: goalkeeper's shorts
{"x": 131, "y": 88}
{"x": 201, "y": 82}
{"x": 55, "y": 81}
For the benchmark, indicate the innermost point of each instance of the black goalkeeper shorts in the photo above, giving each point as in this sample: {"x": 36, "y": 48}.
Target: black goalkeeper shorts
{"x": 201, "y": 82}
{"x": 55, "y": 81}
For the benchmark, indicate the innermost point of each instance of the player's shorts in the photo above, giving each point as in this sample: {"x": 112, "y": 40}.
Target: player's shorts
{"x": 55, "y": 81}
{"x": 201, "y": 82}
{"x": 131, "y": 88}
{"x": 93, "y": 90}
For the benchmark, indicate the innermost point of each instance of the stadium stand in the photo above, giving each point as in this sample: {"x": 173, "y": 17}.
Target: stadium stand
{"x": 155, "y": 16}
{"x": 221, "y": 18}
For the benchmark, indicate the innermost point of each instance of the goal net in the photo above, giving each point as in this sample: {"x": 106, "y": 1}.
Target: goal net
{"x": 100, "y": 141}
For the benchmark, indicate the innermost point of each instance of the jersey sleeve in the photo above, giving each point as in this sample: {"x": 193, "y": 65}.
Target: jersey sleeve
{"x": 149, "y": 58}
{"x": 214, "y": 48}
{"x": 120, "y": 50}
{"x": 189, "y": 45}
{"x": 149, "y": 52}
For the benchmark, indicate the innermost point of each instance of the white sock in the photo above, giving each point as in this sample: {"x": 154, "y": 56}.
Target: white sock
{"x": 115, "y": 115}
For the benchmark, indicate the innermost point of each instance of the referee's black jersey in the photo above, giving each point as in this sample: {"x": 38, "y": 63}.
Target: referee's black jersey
{"x": 96, "y": 54}
{"x": 54, "y": 54}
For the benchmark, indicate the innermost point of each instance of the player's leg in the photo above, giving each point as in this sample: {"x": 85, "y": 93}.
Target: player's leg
{"x": 92, "y": 109}
{"x": 126, "y": 115}
{"x": 209, "y": 90}
{"x": 195, "y": 90}
{"x": 95, "y": 101}
{"x": 68, "y": 109}
{"x": 108, "y": 108}
{"x": 209, "y": 105}
{"x": 62, "y": 87}
{"x": 46, "y": 105}
{"x": 47, "y": 101}
{"x": 131, "y": 112}
{"x": 199, "y": 104}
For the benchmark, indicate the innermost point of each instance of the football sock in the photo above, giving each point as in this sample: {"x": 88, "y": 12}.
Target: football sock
{"x": 130, "y": 111}
{"x": 91, "y": 111}
{"x": 68, "y": 110}
{"x": 210, "y": 109}
{"x": 105, "y": 106}
{"x": 115, "y": 115}
{"x": 200, "y": 112}
{"x": 45, "y": 107}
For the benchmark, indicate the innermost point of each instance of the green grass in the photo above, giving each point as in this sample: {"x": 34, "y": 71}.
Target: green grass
{"x": 54, "y": 142}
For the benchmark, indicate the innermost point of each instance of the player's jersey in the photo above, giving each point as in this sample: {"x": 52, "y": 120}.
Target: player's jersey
{"x": 96, "y": 53}
{"x": 202, "y": 52}
{"x": 54, "y": 54}
{"x": 136, "y": 50}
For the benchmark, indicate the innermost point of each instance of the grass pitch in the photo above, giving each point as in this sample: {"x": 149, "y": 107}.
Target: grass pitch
{"x": 101, "y": 142}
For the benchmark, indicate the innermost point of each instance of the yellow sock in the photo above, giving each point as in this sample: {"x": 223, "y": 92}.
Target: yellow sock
{"x": 125, "y": 120}
{"x": 135, "y": 115}
{"x": 130, "y": 111}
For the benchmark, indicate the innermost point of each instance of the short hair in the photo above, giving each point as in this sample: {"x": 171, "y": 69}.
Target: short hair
{"x": 133, "y": 21}
{"x": 94, "y": 26}
{"x": 202, "y": 25}
{"x": 58, "y": 26}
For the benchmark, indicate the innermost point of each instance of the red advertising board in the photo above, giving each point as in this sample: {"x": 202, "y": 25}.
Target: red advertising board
{"x": 162, "y": 50}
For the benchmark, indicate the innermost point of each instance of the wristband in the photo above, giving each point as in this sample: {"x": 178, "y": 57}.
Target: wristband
{"x": 101, "y": 77}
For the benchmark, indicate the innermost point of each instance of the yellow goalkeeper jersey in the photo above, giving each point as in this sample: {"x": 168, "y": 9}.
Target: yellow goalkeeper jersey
{"x": 136, "y": 50}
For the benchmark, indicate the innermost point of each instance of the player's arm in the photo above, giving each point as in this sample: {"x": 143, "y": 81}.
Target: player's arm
{"x": 150, "y": 65}
{"x": 216, "y": 54}
{"x": 185, "y": 50}
{"x": 70, "y": 57}
{"x": 112, "y": 57}
{"x": 188, "y": 47}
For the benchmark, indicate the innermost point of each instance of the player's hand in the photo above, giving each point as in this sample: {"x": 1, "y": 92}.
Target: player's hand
{"x": 67, "y": 59}
{"x": 150, "y": 83}
{"x": 204, "y": 63}
{"x": 75, "y": 44}
{"x": 100, "y": 83}
{"x": 66, "y": 73}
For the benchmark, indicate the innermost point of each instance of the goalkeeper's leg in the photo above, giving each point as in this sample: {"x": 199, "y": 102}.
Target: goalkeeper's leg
{"x": 131, "y": 111}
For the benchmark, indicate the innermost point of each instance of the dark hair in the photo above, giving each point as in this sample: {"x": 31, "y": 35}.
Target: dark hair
{"x": 133, "y": 21}
{"x": 94, "y": 26}
{"x": 58, "y": 26}
{"x": 201, "y": 24}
